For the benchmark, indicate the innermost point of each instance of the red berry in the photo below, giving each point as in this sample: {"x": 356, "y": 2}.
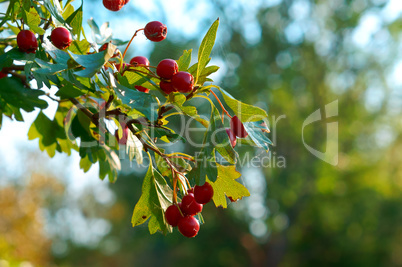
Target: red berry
{"x": 237, "y": 127}
{"x": 141, "y": 88}
{"x": 166, "y": 87}
{"x": 232, "y": 137}
{"x": 139, "y": 60}
{"x": 189, "y": 226}
{"x": 189, "y": 206}
{"x": 126, "y": 1}
{"x": 61, "y": 38}
{"x": 204, "y": 193}
{"x": 2, "y": 75}
{"x": 123, "y": 139}
{"x": 166, "y": 68}
{"x": 173, "y": 215}
{"x": 125, "y": 65}
{"x": 190, "y": 190}
{"x": 183, "y": 82}
{"x": 27, "y": 41}
{"x": 114, "y": 5}
{"x": 155, "y": 31}
{"x": 103, "y": 47}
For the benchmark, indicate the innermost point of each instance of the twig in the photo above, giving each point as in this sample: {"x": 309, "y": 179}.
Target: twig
{"x": 129, "y": 43}
{"x": 223, "y": 109}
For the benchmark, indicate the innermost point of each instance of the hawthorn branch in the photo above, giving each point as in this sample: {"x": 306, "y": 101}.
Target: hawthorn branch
{"x": 129, "y": 43}
{"x": 12, "y": 67}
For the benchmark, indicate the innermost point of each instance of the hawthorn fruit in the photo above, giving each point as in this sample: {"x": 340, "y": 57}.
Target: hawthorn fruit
{"x": 183, "y": 82}
{"x": 204, "y": 193}
{"x": 27, "y": 41}
{"x": 114, "y": 5}
{"x": 61, "y": 38}
{"x": 155, "y": 31}
{"x": 167, "y": 68}
{"x": 232, "y": 137}
{"x": 237, "y": 127}
{"x": 166, "y": 87}
{"x": 188, "y": 226}
{"x": 173, "y": 215}
{"x": 189, "y": 206}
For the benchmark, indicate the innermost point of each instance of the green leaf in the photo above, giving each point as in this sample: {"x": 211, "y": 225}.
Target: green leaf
{"x": 58, "y": 55}
{"x": 226, "y": 184}
{"x": 165, "y": 134}
{"x": 110, "y": 166}
{"x": 55, "y": 11}
{"x": 33, "y": 21}
{"x": 218, "y": 138}
{"x": 257, "y": 134}
{"x": 184, "y": 60}
{"x": 68, "y": 90}
{"x": 134, "y": 148}
{"x": 80, "y": 47}
{"x": 94, "y": 27}
{"x": 47, "y": 68}
{"x": 7, "y": 58}
{"x": 154, "y": 200}
{"x": 75, "y": 21}
{"x": 245, "y": 112}
{"x": 13, "y": 92}
{"x": 215, "y": 139}
{"x": 143, "y": 102}
{"x": 48, "y": 132}
{"x": 131, "y": 78}
{"x": 206, "y": 48}
{"x": 93, "y": 62}
{"x": 178, "y": 100}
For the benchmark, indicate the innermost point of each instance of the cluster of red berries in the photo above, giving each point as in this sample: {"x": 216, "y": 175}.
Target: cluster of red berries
{"x": 182, "y": 213}
{"x": 236, "y": 130}
{"x": 115, "y": 5}
{"x": 173, "y": 80}
{"x": 27, "y": 42}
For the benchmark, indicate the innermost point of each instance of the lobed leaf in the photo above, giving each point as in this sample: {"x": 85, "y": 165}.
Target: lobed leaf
{"x": 154, "y": 200}
{"x": 245, "y": 112}
{"x": 226, "y": 185}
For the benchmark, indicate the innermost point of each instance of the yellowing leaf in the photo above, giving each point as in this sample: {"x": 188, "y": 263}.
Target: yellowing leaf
{"x": 226, "y": 185}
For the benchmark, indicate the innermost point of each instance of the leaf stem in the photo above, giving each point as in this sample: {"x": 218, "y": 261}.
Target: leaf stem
{"x": 223, "y": 109}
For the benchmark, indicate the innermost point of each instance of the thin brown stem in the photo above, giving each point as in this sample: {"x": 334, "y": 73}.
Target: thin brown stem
{"x": 129, "y": 43}
{"x": 13, "y": 67}
{"x": 86, "y": 111}
{"x": 223, "y": 108}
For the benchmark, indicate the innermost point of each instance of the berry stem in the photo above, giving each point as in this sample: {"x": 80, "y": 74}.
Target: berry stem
{"x": 223, "y": 109}
{"x": 143, "y": 72}
{"x": 129, "y": 43}
{"x": 174, "y": 175}
{"x": 121, "y": 61}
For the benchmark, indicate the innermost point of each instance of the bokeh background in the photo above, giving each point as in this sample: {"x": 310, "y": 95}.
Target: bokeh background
{"x": 290, "y": 57}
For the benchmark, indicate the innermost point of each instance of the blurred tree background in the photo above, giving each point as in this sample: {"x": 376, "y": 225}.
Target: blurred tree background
{"x": 290, "y": 57}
